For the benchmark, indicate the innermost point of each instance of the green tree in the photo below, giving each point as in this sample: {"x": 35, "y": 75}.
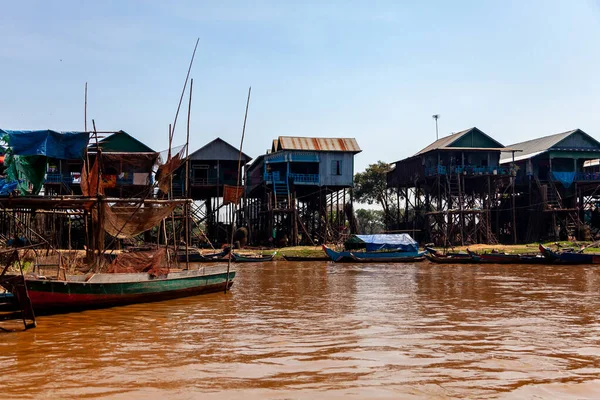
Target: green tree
{"x": 369, "y": 221}
{"x": 370, "y": 187}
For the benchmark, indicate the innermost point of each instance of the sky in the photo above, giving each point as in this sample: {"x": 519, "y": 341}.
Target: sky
{"x": 373, "y": 70}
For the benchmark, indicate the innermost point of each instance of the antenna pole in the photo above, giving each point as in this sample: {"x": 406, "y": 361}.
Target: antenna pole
{"x": 436, "y": 117}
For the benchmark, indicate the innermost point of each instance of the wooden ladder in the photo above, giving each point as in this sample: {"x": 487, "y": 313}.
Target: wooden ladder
{"x": 18, "y": 307}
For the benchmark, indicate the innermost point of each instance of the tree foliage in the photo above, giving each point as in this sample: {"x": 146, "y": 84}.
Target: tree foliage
{"x": 370, "y": 187}
{"x": 369, "y": 221}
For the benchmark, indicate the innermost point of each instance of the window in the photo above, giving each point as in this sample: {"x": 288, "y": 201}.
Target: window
{"x": 336, "y": 167}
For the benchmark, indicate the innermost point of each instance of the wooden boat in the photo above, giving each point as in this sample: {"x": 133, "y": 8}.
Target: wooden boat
{"x": 532, "y": 259}
{"x": 80, "y": 292}
{"x": 303, "y": 259}
{"x": 196, "y": 257}
{"x": 496, "y": 258}
{"x": 239, "y": 258}
{"x": 567, "y": 257}
{"x": 452, "y": 258}
{"x": 504, "y": 258}
{"x": 370, "y": 260}
{"x": 374, "y": 256}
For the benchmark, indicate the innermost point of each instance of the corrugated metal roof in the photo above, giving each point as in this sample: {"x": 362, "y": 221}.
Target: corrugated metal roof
{"x": 318, "y": 144}
{"x": 218, "y": 149}
{"x": 445, "y": 142}
{"x": 532, "y": 148}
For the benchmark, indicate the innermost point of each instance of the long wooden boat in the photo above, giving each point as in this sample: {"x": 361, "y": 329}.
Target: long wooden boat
{"x": 567, "y": 257}
{"x": 370, "y": 260}
{"x": 197, "y": 257}
{"x": 495, "y": 258}
{"x": 504, "y": 258}
{"x": 79, "y": 292}
{"x": 239, "y": 258}
{"x": 374, "y": 256}
{"x": 454, "y": 258}
{"x": 304, "y": 259}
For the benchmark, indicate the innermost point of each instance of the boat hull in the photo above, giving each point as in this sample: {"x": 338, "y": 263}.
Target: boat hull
{"x": 50, "y": 296}
{"x": 438, "y": 259}
{"x": 305, "y": 259}
{"x": 373, "y": 257}
{"x": 197, "y": 257}
{"x": 569, "y": 257}
{"x": 249, "y": 259}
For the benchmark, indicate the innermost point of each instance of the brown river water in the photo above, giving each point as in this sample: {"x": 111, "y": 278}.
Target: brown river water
{"x": 329, "y": 331}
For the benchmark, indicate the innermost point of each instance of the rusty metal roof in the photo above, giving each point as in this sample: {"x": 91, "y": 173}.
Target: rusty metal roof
{"x": 318, "y": 144}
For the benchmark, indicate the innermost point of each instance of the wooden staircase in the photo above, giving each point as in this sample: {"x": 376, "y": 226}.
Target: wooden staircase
{"x": 454, "y": 190}
{"x": 553, "y": 199}
{"x": 281, "y": 195}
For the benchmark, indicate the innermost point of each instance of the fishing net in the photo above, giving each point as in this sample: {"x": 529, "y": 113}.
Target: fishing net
{"x": 166, "y": 170}
{"x": 134, "y": 162}
{"x": 125, "y": 221}
{"x": 153, "y": 262}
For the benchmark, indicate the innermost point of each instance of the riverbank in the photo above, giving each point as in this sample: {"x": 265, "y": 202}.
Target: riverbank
{"x": 317, "y": 251}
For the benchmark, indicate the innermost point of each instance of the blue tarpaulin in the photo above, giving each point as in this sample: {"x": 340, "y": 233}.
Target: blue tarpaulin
{"x": 566, "y": 178}
{"x": 395, "y": 241}
{"x": 7, "y": 188}
{"x": 62, "y": 145}
{"x": 28, "y": 151}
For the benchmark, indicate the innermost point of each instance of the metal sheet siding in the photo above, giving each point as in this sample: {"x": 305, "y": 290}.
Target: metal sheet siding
{"x": 326, "y": 173}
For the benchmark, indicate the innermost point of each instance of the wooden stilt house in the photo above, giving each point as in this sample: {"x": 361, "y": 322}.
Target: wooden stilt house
{"x": 300, "y": 191}
{"x": 445, "y": 192}
{"x": 212, "y": 169}
{"x": 556, "y": 184}
{"x": 127, "y": 166}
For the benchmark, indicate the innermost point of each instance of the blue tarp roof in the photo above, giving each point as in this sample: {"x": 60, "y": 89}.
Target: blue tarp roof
{"x": 62, "y": 145}
{"x": 401, "y": 241}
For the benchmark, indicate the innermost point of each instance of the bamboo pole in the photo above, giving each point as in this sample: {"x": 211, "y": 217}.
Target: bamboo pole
{"x": 237, "y": 185}
{"x": 85, "y": 110}
{"x": 170, "y": 197}
{"x": 514, "y": 214}
{"x": 187, "y": 181}
{"x": 185, "y": 84}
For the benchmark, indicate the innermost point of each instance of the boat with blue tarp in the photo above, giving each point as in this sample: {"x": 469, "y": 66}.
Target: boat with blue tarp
{"x": 399, "y": 247}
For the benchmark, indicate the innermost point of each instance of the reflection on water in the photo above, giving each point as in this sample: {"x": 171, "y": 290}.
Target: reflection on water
{"x": 318, "y": 330}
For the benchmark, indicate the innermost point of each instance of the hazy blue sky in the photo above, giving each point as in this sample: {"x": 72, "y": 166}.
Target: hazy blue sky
{"x": 372, "y": 70}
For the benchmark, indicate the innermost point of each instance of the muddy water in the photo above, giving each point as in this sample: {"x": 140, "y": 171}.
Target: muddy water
{"x": 318, "y": 330}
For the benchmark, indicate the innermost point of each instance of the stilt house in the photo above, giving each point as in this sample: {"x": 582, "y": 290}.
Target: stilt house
{"x": 556, "y": 184}
{"x": 300, "y": 190}
{"x": 127, "y": 166}
{"x": 448, "y": 188}
{"x": 212, "y": 169}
